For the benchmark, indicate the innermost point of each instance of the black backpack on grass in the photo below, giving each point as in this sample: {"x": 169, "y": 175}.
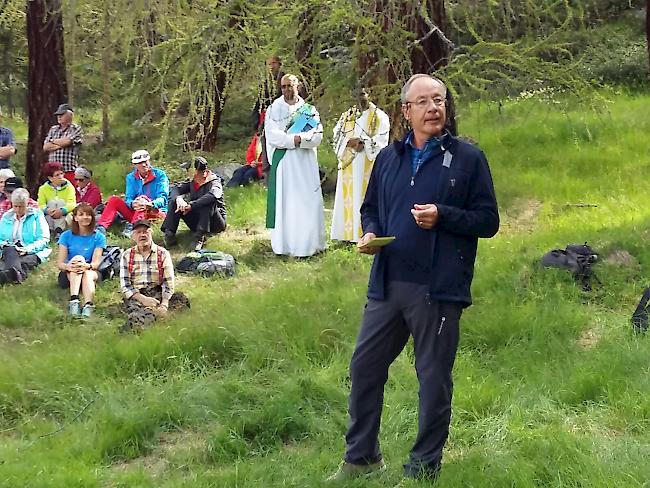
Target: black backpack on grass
{"x": 109, "y": 266}
{"x": 577, "y": 258}
{"x": 640, "y": 316}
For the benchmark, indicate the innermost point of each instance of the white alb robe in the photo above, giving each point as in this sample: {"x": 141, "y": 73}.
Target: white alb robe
{"x": 299, "y": 219}
{"x": 372, "y": 126}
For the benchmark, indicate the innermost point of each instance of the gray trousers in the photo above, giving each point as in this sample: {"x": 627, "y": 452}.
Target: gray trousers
{"x": 385, "y": 329}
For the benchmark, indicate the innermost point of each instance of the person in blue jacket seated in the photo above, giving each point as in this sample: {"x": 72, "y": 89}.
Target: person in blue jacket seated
{"x": 80, "y": 253}
{"x": 24, "y": 239}
{"x": 147, "y": 191}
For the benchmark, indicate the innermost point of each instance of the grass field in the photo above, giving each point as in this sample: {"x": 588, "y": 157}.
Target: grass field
{"x": 249, "y": 388}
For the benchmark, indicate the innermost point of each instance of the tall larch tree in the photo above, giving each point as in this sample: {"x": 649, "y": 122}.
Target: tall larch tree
{"x": 46, "y": 79}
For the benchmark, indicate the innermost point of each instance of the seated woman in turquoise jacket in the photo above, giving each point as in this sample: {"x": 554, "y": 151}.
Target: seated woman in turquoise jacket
{"x": 23, "y": 246}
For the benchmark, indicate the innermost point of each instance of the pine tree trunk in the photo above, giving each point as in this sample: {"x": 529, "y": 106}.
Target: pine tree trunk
{"x": 71, "y": 45}
{"x": 46, "y": 79}
{"x": 8, "y": 72}
{"x": 647, "y": 28}
{"x": 428, "y": 53}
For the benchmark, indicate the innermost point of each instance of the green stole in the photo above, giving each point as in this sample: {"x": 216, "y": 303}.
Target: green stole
{"x": 278, "y": 154}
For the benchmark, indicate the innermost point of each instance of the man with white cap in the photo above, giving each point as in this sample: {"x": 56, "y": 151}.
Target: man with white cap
{"x": 63, "y": 141}
{"x": 147, "y": 191}
{"x": 7, "y": 144}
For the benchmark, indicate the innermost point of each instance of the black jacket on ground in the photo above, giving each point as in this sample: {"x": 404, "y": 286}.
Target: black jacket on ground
{"x": 460, "y": 184}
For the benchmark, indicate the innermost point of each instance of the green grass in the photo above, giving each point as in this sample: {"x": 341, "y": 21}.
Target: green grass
{"x": 249, "y": 387}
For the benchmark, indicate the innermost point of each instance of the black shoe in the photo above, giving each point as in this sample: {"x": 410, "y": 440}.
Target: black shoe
{"x": 170, "y": 239}
{"x": 198, "y": 242}
{"x": 421, "y": 471}
{"x": 5, "y": 276}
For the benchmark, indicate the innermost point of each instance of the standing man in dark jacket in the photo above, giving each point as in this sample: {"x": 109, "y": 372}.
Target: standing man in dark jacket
{"x": 434, "y": 193}
{"x": 199, "y": 203}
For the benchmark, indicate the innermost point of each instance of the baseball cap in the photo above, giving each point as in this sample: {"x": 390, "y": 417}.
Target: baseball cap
{"x": 63, "y": 108}
{"x": 140, "y": 222}
{"x": 199, "y": 163}
{"x": 13, "y": 183}
{"x": 140, "y": 156}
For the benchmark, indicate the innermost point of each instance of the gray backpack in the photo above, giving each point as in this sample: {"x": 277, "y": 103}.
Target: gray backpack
{"x": 207, "y": 263}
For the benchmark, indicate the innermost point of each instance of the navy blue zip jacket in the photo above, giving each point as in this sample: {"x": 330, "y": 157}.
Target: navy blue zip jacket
{"x": 456, "y": 177}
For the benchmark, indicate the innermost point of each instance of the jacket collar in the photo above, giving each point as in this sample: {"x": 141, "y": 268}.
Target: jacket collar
{"x": 448, "y": 142}
{"x": 63, "y": 185}
{"x": 148, "y": 179}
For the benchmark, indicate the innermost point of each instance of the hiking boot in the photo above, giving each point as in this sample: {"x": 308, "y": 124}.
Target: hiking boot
{"x": 128, "y": 230}
{"x": 198, "y": 242}
{"x": 348, "y": 471}
{"x": 87, "y": 310}
{"x": 421, "y": 472}
{"x": 73, "y": 308}
{"x": 170, "y": 239}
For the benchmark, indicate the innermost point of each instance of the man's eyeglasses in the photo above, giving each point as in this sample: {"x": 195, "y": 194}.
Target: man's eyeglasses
{"x": 424, "y": 102}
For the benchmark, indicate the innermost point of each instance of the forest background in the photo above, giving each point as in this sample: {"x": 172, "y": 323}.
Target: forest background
{"x": 249, "y": 387}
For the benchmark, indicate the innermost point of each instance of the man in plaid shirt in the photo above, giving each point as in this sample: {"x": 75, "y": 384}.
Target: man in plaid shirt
{"x": 63, "y": 141}
{"x": 147, "y": 279}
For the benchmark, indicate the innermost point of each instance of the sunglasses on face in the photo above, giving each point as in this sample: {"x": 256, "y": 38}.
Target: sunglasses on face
{"x": 80, "y": 179}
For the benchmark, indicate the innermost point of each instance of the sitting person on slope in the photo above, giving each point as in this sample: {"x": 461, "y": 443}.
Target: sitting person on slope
{"x": 24, "y": 239}
{"x": 199, "y": 203}
{"x": 147, "y": 190}
{"x": 80, "y": 252}
{"x": 56, "y": 197}
{"x": 147, "y": 280}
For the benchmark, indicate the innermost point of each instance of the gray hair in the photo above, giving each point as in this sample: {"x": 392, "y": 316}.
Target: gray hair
{"x": 19, "y": 196}
{"x": 407, "y": 85}
{"x": 7, "y": 173}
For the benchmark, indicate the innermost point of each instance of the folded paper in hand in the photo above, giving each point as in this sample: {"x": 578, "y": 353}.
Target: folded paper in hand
{"x": 379, "y": 241}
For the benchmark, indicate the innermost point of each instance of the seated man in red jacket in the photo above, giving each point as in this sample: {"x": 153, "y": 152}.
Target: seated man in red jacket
{"x": 199, "y": 203}
{"x": 86, "y": 189}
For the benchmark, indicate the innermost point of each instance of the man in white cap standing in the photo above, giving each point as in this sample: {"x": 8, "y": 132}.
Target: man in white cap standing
{"x": 147, "y": 191}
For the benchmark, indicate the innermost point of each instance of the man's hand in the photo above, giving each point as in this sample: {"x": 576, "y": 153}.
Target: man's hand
{"x": 425, "y": 215}
{"x": 139, "y": 204}
{"x": 7, "y": 151}
{"x": 181, "y": 205}
{"x": 296, "y": 141}
{"x": 148, "y": 302}
{"x": 161, "y": 310}
{"x": 355, "y": 143}
{"x": 361, "y": 245}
